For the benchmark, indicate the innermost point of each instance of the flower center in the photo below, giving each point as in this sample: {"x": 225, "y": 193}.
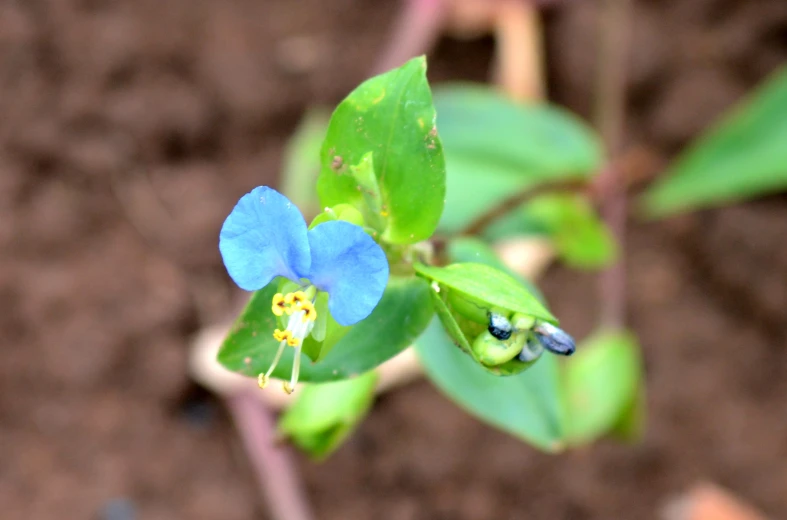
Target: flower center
{"x": 299, "y": 306}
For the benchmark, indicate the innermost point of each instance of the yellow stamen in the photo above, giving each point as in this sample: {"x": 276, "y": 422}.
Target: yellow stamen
{"x": 309, "y": 312}
{"x": 282, "y": 335}
{"x": 262, "y": 379}
{"x": 299, "y": 306}
{"x": 279, "y": 306}
{"x": 296, "y": 299}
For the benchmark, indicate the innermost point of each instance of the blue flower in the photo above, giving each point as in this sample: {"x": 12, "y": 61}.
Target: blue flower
{"x": 265, "y": 236}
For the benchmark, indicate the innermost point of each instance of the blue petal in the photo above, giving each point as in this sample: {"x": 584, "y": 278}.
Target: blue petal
{"x": 263, "y": 237}
{"x": 350, "y": 266}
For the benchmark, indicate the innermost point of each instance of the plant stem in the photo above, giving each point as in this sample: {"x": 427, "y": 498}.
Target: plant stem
{"x": 612, "y": 281}
{"x": 478, "y": 225}
{"x": 610, "y": 120}
{"x": 415, "y": 31}
{"x": 519, "y": 59}
{"x": 272, "y": 463}
{"x": 610, "y": 80}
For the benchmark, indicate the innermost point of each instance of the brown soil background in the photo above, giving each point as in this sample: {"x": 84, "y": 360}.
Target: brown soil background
{"x": 129, "y": 129}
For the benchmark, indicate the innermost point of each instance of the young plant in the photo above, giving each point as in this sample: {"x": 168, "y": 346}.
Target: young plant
{"x": 363, "y": 281}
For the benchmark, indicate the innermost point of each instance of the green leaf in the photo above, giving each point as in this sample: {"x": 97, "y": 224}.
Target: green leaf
{"x": 343, "y": 212}
{"x": 744, "y": 155}
{"x": 488, "y": 284}
{"x": 451, "y": 326}
{"x": 302, "y": 159}
{"x": 526, "y": 405}
{"x": 516, "y": 223}
{"x": 580, "y": 237}
{"x": 326, "y": 333}
{"x": 475, "y": 250}
{"x": 402, "y": 314}
{"x": 392, "y": 116}
{"x": 601, "y": 384}
{"x": 324, "y": 415}
{"x": 374, "y": 212}
{"x": 631, "y": 424}
{"x": 496, "y": 147}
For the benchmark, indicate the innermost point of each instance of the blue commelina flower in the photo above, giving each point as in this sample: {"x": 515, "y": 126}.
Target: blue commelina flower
{"x": 265, "y": 236}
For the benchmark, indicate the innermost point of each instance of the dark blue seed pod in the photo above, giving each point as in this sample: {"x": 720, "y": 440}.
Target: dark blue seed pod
{"x": 499, "y": 326}
{"x": 554, "y": 339}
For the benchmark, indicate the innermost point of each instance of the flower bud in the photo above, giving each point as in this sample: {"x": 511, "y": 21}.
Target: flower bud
{"x": 499, "y": 326}
{"x": 554, "y": 339}
{"x": 490, "y": 318}
{"x": 532, "y": 349}
{"x": 492, "y": 351}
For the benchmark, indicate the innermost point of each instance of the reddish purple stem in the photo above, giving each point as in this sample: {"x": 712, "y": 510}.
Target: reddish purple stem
{"x": 610, "y": 120}
{"x": 614, "y": 204}
{"x": 415, "y": 32}
{"x": 272, "y": 462}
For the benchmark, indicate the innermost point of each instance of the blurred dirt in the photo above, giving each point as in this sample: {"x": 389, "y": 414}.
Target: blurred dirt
{"x": 130, "y": 128}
